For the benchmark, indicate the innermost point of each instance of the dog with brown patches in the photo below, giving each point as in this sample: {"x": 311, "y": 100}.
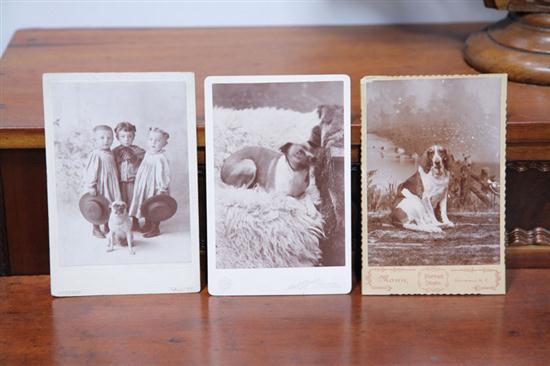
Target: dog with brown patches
{"x": 421, "y": 204}
{"x": 285, "y": 171}
{"x": 121, "y": 227}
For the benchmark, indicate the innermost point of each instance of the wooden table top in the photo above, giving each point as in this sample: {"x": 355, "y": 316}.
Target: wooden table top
{"x": 197, "y": 329}
{"x": 356, "y": 51}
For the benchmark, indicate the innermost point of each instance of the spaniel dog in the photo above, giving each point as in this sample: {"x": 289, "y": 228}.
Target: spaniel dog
{"x": 421, "y": 204}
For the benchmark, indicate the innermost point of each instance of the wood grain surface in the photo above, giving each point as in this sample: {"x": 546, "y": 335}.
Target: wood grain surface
{"x": 197, "y": 329}
{"x": 356, "y": 51}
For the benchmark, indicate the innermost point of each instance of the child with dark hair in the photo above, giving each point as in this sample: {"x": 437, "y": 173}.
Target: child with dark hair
{"x": 128, "y": 158}
{"x": 152, "y": 178}
{"x": 101, "y": 175}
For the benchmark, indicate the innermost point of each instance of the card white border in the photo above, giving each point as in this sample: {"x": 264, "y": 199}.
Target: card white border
{"x": 134, "y": 278}
{"x": 408, "y": 279}
{"x": 275, "y": 281}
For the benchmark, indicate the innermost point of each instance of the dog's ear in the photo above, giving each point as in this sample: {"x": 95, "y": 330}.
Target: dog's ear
{"x": 284, "y": 149}
{"x": 321, "y": 111}
{"x": 314, "y": 141}
{"x": 425, "y": 160}
{"x": 445, "y": 158}
{"x": 325, "y": 113}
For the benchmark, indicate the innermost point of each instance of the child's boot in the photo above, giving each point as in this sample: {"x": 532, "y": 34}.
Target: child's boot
{"x": 106, "y": 229}
{"x": 97, "y": 232}
{"x": 135, "y": 224}
{"x": 155, "y": 230}
{"x": 146, "y": 227}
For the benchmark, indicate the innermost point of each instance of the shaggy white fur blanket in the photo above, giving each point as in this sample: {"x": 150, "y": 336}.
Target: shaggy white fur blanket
{"x": 255, "y": 229}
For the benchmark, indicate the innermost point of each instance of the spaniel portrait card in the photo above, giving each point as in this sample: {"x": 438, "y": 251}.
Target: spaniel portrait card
{"x": 433, "y": 178}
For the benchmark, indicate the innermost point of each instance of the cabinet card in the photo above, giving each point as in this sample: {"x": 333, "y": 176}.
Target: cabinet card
{"x": 122, "y": 183}
{"x": 433, "y": 160}
{"x": 278, "y": 184}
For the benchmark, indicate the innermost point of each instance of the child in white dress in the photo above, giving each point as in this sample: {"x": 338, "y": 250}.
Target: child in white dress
{"x": 152, "y": 178}
{"x": 101, "y": 174}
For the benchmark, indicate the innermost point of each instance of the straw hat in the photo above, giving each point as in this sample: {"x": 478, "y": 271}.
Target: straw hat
{"x": 159, "y": 208}
{"x": 95, "y": 209}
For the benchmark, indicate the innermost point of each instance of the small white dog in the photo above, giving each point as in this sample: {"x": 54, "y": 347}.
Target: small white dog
{"x": 120, "y": 225}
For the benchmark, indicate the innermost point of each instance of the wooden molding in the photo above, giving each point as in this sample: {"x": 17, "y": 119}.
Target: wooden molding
{"x": 536, "y": 236}
{"x": 523, "y": 166}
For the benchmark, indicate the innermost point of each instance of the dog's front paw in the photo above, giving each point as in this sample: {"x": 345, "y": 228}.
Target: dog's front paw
{"x": 110, "y": 249}
{"x": 311, "y": 210}
{"x": 132, "y": 252}
{"x": 436, "y": 230}
{"x": 448, "y": 223}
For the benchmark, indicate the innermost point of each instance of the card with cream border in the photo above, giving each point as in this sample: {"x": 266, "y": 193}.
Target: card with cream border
{"x": 278, "y": 184}
{"x": 433, "y": 178}
{"x": 122, "y": 183}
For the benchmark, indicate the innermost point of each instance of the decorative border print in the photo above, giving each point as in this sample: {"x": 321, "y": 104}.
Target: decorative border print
{"x": 433, "y": 184}
{"x": 278, "y": 184}
{"x": 122, "y": 183}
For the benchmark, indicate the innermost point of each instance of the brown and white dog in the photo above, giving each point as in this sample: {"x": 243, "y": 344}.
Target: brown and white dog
{"x": 285, "y": 171}
{"x": 421, "y": 204}
{"x": 120, "y": 225}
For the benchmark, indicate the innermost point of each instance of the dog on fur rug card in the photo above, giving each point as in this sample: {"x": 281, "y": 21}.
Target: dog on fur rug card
{"x": 267, "y": 141}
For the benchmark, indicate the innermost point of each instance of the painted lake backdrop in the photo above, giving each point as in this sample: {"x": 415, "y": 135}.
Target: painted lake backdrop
{"x": 404, "y": 118}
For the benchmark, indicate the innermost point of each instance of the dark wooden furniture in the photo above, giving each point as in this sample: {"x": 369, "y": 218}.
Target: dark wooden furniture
{"x": 518, "y": 45}
{"x": 357, "y": 51}
{"x": 197, "y": 329}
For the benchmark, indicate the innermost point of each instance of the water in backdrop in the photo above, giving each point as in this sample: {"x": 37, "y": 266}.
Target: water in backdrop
{"x": 392, "y": 163}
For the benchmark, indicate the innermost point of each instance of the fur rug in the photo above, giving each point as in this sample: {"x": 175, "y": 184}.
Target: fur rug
{"x": 255, "y": 229}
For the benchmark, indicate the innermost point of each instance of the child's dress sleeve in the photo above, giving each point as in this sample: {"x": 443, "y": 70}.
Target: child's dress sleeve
{"x": 140, "y": 154}
{"x": 91, "y": 173}
{"x": 162, "y": 175}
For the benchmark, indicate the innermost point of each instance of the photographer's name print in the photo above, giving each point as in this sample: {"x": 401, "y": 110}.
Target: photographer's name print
{"x": 467, "y": 279}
